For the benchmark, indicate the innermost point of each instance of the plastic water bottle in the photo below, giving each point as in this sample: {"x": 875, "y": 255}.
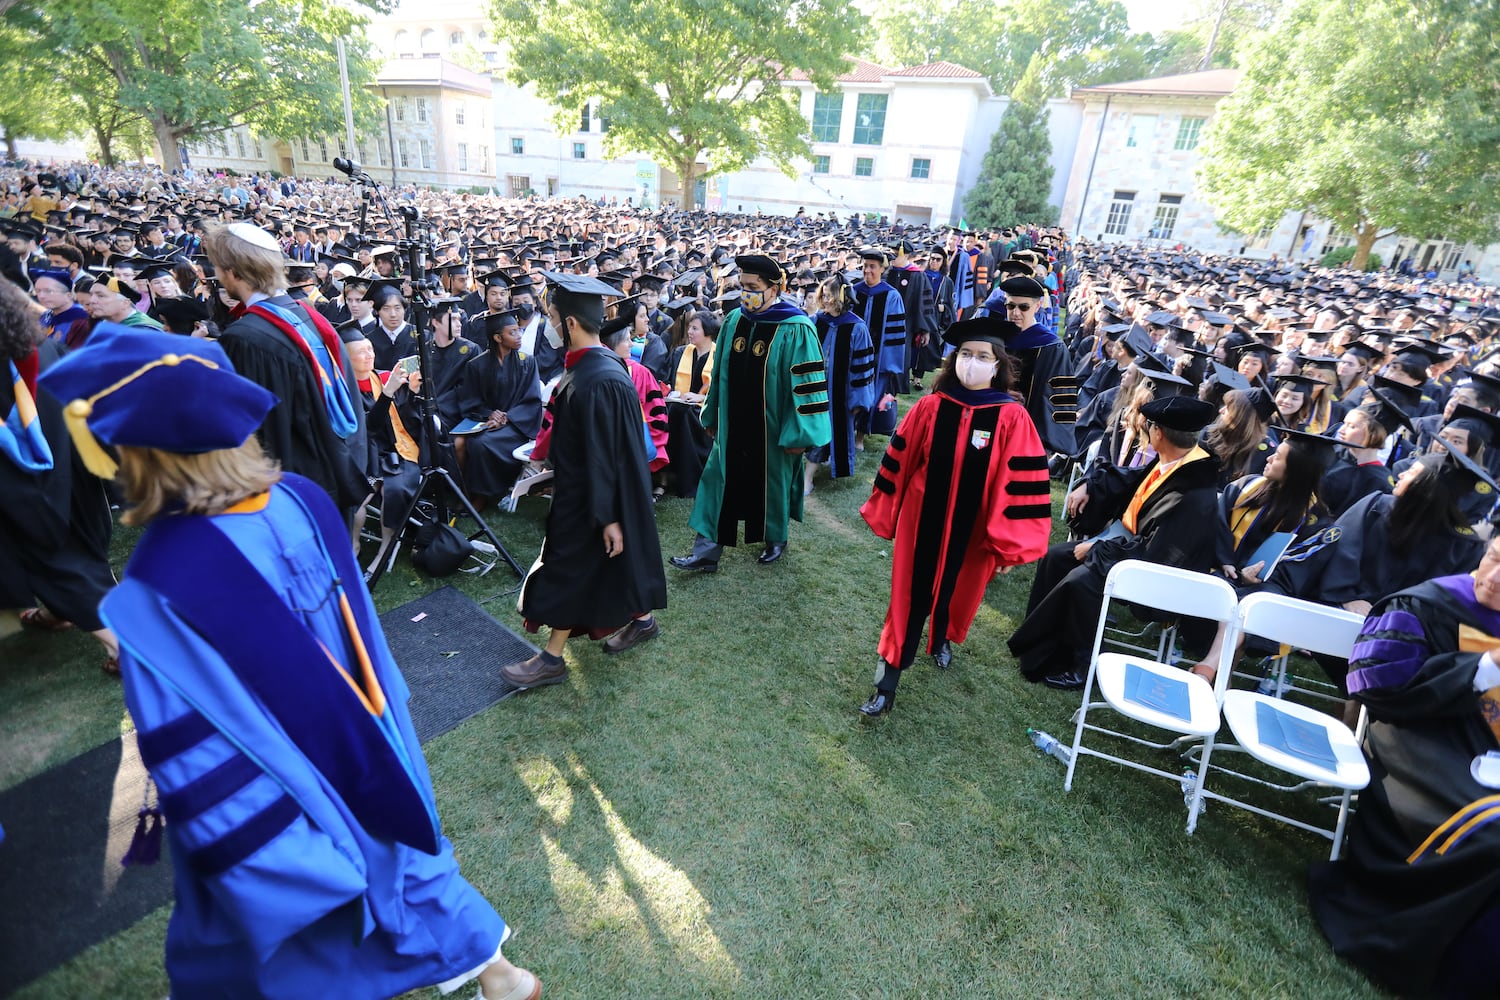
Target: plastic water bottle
{"x": 1049, "y": 745}
{"x": 1189, "y": 784}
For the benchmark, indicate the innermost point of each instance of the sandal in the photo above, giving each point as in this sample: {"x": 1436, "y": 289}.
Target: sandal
{"x": 42, "y": 620}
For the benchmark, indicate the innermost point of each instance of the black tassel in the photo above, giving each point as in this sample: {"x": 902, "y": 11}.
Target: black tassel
{"x": 145, "y": 843}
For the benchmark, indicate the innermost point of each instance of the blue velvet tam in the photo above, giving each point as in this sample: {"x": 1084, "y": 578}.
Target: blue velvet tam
{"x": 148, "y": 389}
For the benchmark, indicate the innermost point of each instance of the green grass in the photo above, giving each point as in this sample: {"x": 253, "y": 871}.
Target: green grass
{"x": 707, "y": 816}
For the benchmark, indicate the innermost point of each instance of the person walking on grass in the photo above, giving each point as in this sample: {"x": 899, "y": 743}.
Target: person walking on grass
{"x": 963, "y": 492}
{"x": 307, "y": 855}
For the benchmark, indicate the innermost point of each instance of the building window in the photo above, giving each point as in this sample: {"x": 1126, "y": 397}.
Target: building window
{"x": 1261, "y": 240}
{"x": 484, "y": 159}
{"x": 426, "y": 147}
{"x": 403, "y": 41}
{"x": 380, "y": 153}
{"x": 1451, "y": 254}
{"x": 828, "y": 113}
{"x": 456, "y": 39}
{"x": 864, "y": 166}
{"x": 255, "y": 145}
{"x": 820, "y": 164}
{"x": 421, "y": 109}
{"x": 1333, "y": 240}
{"x": 1188, "y": 131}
{"x": 322, "y": 149}
{"x": 463, "y": 157}
{"x": 1165, "y": 222}
{"x": 603, "y": 120}
{"x": 579, "y": 150}
{"x": 1119, "y": 213}
{"x": 403, "y": 152}
{"x": 585, "y": 119}
{"x": 517, "y": 146}
{"x": 458, "y": 113}
{"x": 400, "y": 104}
{"x": 429, "y": 41}
{"x": 239, "y": 144}
{"x": 519, "y": 185}
{"x": 305, "y": 154}
{"x": 869, "y": 119}
{"x": 921, "y": 168}
{"x": 1141, "y": 127}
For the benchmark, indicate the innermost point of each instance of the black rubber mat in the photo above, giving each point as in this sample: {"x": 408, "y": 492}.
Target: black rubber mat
{"x": 62, "y": 888}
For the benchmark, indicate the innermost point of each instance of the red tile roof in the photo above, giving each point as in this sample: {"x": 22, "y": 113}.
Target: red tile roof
{"x": 941, "y": 70}
{"x": 861, "y": 72}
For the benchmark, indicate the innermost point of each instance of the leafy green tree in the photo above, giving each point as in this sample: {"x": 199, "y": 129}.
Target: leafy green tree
{"x": 683, "y": 78}
{"x": 1016, "y": 175}
{"x": 1382, "y": 116}
{"x": 195, "y": 67}
{"x": 26, "y": 109}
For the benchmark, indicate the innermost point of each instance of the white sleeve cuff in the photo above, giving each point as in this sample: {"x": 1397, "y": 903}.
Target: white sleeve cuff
{"x": 1486, "y": 675}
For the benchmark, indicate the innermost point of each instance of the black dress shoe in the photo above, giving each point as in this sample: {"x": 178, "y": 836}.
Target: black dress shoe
{"x": 880, "y": 703}
{"x": 944, "y": 655}
{"x": 1073, "y": 680}
{"x": 773, "y": 551}
{"x": 693, "y": 564}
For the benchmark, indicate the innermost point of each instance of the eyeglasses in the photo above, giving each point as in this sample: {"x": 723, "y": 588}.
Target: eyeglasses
{"x": 1019, "y": 307}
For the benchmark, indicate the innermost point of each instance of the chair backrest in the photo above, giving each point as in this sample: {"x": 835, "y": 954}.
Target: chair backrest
{"x": 1303, "y": 624}
{"x": 1167, "y": 588}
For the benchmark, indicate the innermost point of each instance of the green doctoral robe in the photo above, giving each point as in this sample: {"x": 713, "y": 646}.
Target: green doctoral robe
{"x": 769, "y": 393}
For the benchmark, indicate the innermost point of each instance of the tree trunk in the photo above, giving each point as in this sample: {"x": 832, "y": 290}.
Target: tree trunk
{"x": 686, "y": 176}
{"x": 10, "y": 145}
{"x": 1364, "y": 239}
{"x": 166, "y": 142}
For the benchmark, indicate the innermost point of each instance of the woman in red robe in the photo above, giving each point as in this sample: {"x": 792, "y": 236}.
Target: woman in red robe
{"x": 964, "y": 493}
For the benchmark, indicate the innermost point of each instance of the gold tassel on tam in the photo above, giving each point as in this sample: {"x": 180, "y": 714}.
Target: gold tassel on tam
{"x": 95, "y": 458}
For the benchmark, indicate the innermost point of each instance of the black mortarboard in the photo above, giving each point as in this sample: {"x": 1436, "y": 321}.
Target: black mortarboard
{"x": 1485, "y": 426}
{"x": 179, "y": 315}
{"x": 1138, "y": 342}
{"x": 762, "y": 266}
{"x": 580, "y": 296}
{"x": 1386, "y": 410}
{"x": 1460, "y": 473}
{"x": 987, "y": 328}
{"x": 1024, "y": 287}
{"x": 1321, "y": 441}
{"x": 1180, "y": 413}
{"x": 1365, "y": 351}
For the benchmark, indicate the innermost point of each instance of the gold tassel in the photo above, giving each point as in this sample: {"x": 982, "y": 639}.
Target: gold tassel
{"x": 95, "y": 458}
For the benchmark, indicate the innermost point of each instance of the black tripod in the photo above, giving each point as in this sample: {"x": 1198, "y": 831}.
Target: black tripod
{"x": 432, "y": 436}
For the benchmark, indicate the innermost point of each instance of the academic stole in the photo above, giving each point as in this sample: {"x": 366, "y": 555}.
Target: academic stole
{"x": 405, "y": 446}
{"x": 1153, "y": 482}
{"x": 21, "y": 437}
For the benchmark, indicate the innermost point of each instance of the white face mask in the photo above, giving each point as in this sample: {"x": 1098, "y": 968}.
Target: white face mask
{"x": 973, "y": 373}
{"x": 553, "y": 335}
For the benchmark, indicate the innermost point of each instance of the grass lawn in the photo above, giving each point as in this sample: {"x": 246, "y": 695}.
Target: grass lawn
{"x": 708, "y": 816}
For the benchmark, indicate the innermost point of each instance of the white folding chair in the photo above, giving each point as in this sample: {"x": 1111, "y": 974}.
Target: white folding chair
{"x": 1185, "y": 593}
{"x": 1320, "y": 629}
{"x": 1080, "y": 468}
{"x": 527, "y": 481}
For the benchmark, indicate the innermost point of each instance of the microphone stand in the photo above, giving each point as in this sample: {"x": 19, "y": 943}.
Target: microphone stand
{"x": 434, "y": 439}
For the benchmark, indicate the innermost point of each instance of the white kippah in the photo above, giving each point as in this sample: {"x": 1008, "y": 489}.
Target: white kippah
{"x": 254, "y": 235}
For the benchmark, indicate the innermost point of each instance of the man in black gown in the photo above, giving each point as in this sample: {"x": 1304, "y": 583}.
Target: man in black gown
{"x": 501, "y": 391}
{"x": 600, "y": 568}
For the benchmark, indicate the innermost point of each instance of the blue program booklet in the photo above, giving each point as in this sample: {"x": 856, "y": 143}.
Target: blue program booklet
{"x": 1164, "y": 694}
{"x": 1285, "y": 732}
{"x": 467, "y": 427}
{"x": 1114, "y": 530}
{"x": 1270, "y": 552}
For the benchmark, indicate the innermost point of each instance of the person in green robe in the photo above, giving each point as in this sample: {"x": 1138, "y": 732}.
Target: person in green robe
{"x": 767, "y": 404}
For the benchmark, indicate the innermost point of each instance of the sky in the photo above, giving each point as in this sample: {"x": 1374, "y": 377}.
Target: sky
{"x": 1154, "y": 15}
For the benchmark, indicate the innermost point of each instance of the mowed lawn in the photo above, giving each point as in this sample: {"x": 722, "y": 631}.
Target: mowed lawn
{"x": 708, "y": 816}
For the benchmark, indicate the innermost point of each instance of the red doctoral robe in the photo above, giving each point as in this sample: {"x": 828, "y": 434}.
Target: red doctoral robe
{"x": 963, "y": 491}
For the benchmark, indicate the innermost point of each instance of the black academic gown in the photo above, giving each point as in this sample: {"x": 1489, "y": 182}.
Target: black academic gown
{"x": 1176, "y": 526}
{"x": 389, "y": 351}
{"x": 602, "y": 478}
{"x": 1411, "y": 924}
{"x": 1345, "y": 483}
{"x": 688, "y": 444}
{"x": 1045, "y": 380}
{"x": 297, "y": 432}
{"x": 921, "y": 311}
{"x": 1354, "y": 560}
{"x": 448, "y": 365}
{"x": 54, "y": 525}
{"x": 655, "y": 357}
{"x": 512, "y": 387}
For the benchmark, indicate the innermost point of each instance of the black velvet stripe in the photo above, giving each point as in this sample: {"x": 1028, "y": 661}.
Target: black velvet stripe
{"x": 972, "y": 475}
{"x": 883, "y": 484}
{"x": 808, "y": 388}
{"x": 841, "y": 453}
{"x": 898, "y": 442}
{"x": 1064, "y": 418}
{"x": 807, "y": 367}
{"x": 1027, "y": 463}
{"x": 1025, "y": 512}
{"x": 933, "y": 519}
{"x": 890, "y": 464}
{"x": 1018, "y": 488}
{"x": 808, "y": 409}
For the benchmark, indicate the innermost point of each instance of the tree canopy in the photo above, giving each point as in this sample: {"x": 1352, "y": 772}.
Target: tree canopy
{"x": 680, "y": 79}
{"x": 1382, "y": 116}
{"x": 194, "y": 67}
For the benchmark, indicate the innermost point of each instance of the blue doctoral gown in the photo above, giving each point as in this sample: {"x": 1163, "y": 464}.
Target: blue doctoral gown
{"x": 280, "y": 890}
{"x": 850, "y": 359}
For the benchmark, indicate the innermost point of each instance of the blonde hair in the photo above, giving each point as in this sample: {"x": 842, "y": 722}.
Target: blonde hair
{"x": 159, "y": 482}
{"x": 258, "y": 267}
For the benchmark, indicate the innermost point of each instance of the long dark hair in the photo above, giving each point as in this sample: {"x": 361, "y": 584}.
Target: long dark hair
{"x": 1288, "y": 502}
{"x": 1236, "y": 436}
{"x": 1004, "y": 380}
{"x": 1425, "y": 508}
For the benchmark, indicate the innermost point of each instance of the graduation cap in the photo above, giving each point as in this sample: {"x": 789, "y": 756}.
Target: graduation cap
{"x": 990, "y": 329}
{"x": 149, "y": 389}
{"x": 1227, "y": 378}
{"x": 1325, "y": 443}
{"x": 179, "y": 315}
{"x": 1481, "y": 425}
{"x": 1216, "y": 318}
{"x": 1024, "y": 287}
{"x": 119, "y": 286}
{"x": 1014, "y": 266}
{"x": 580, "y": 296}
{"x": 1161, "y": 317}
{"x": 51, "y": 274}
{"x": 1387, "y": 410}
{"x": 1301, "y": 383}
{"x": 1459, "y": 473}
{"x": 1364, "y": 351}
{"x": 1180, "y": 413}
{"x": 762, "y": 266}
{"x": 383, "y": 290}
{"x": 1422, "y": 352}
{"x": 1165, "y": 382}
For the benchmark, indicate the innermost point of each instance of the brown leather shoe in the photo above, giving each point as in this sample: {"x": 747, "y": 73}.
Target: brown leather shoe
{"x": 541, "y": 669}
{"x": 632, "y": 635}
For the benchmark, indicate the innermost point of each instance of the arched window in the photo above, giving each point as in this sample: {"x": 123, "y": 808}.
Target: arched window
{"x": 429, "y": 40}
{"x": 403, "y": 41}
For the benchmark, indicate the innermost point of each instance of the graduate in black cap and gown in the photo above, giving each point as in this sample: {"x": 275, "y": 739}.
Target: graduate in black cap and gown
{"x": 963, "y": 493}
{"x": 449, "y": 357}
{"x": 1045, "y": 377}
{"x": 500, "y": 390}
{"x": 1168, "y": 509}
{"x": 1357, "y": 471}
{"x": 600, "y": 568}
